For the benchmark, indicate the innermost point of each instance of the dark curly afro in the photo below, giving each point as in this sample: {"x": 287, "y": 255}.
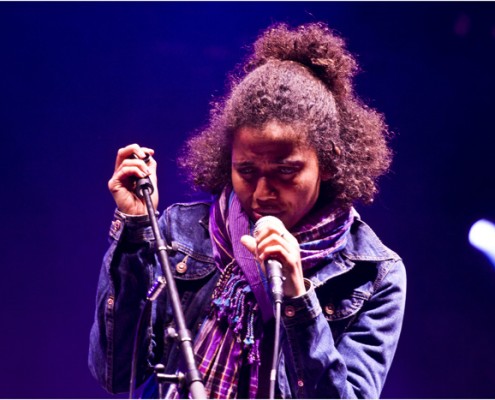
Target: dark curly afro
{"x": 299, "y": 77}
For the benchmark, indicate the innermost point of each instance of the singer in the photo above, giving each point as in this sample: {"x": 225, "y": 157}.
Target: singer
{"x": 286, "y": 156}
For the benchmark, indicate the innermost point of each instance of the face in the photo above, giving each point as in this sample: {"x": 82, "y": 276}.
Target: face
{"x": 273, "y": 173}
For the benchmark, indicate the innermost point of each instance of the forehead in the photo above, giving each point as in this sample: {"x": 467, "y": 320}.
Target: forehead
{"x": 272, "y": 141}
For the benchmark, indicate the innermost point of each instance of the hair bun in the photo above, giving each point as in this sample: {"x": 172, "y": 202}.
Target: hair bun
{"x": 313, "y": 45}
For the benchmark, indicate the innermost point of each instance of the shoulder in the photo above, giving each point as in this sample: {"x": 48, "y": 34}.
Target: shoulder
{"x": 363, "y": 244}
{"x": 365, "y": 270}
{"x": 364, "y": 247}
{"x": 185, "y": 214}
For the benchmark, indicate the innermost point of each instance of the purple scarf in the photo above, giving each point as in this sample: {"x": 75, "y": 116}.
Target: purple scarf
{"x": 229, "y": 338}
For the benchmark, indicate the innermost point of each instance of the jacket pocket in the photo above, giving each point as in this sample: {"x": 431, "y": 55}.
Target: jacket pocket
{"x": 187, "y": 264}
{"x": 343, "y": 297}
{"x": 338, "y": 308}
{"x": 340, "y": 311}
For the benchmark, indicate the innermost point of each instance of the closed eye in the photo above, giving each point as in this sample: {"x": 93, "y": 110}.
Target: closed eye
{"x": 245, "y": 171}
{"x": 287, "y": 170}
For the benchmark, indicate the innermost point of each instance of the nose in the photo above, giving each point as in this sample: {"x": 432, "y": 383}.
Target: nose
{"x": 264, "y": 190}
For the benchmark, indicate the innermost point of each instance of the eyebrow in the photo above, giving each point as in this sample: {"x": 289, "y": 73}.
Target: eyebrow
{"x": 281, "y": 162}
{"x": 243, "y": 163}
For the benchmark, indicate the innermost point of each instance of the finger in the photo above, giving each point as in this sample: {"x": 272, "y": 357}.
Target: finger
{"x": 125, "y": 177}
{"x": 129, "y": 151}
{"x": 274, "y": 250}
{"x": 146, "y": 159}
{"x": 147, "y": 151}
{"x": 125, "y": 152}
{"x": 276, "y": 234}
{"x": 151, "y": 165}
{"x": 135, "y": 167}
{"x": 290, "y": 260}
{"x": 250, "y": 243}
{"x": 277, "y": 240}
{"x": 135, "y": 162}
{"x": 287, "y": 253}
{"x": 268, "y": 230}
{"x": 147, "y": 165}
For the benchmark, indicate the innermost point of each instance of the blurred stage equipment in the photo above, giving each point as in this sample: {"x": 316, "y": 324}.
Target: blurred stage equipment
{"x": 482, "y": 237}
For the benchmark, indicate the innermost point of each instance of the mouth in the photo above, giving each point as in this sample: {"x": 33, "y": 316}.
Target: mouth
{"x": 257, "y": 214}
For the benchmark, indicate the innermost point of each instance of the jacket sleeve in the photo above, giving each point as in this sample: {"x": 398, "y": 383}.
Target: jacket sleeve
{"x": 127, "y": 272}
{"x": 357, "y": 365}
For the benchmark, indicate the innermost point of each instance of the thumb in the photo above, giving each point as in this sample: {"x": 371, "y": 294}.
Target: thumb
{"x": 250, "y": 243}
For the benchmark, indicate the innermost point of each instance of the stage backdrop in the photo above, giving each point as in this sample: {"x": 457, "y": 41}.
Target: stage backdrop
{"x": 80, "y": 80}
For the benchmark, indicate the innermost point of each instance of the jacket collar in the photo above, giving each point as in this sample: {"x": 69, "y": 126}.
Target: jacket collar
{"x": 363, "y": 245}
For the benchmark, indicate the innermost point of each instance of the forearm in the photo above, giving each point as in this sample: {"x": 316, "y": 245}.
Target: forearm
{"x": 125, "y": 277}
{"x": 357, "y": 364}
{"x": 319, "y": 370}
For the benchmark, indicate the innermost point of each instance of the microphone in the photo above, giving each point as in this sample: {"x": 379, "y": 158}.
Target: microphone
{"x": 143, "y": 183}
{"x": 273, "y": 266}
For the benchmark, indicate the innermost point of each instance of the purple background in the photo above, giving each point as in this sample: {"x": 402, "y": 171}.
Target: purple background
{"x": 80, "y": 80}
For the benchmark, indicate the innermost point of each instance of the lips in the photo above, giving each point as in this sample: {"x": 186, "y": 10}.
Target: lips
{"x": 258, "y": 213}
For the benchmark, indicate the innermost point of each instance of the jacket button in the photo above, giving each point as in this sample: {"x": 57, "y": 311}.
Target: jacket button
{"x": 181, "y": 267}
{"x": 300, "y": 383}
{"x": 329, "y": 309}
{"x": 115, "y": 226}
{"x": 290, "y": 311}
{"x": 110, "y": 301}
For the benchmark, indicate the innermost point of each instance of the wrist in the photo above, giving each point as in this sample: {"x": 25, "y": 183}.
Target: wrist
{"x": 132, "y": 217}
{"x": 137, "y": 227}
{"x": 298, "y": 290}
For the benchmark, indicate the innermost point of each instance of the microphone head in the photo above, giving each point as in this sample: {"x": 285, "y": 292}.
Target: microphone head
{"x": 273, "y": 266}
{"x": 268, "y": 220}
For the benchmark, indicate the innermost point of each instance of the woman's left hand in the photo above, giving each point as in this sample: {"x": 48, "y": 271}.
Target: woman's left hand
{"x": 271, "y": 242}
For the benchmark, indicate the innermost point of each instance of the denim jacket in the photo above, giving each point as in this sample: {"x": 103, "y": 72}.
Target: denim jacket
{"x": 339, "y": 338}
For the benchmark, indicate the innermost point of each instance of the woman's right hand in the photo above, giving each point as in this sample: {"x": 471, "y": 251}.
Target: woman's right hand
{"x": 127, "y": 171}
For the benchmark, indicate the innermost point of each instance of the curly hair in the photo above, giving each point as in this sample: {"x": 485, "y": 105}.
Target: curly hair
{"x": 302, "y": 78}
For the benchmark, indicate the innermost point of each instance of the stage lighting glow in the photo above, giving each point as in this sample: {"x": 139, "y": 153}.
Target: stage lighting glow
{"x": 482, "y": 236}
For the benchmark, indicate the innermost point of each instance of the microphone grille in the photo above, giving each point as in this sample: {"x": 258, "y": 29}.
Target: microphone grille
{"x": 268, "y": 220}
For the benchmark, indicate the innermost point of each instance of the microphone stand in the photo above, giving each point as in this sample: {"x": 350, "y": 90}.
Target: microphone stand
{"x": 274, "y": 272}
{"x": 144, "y": 189}
{"x": 276, "y": 340}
